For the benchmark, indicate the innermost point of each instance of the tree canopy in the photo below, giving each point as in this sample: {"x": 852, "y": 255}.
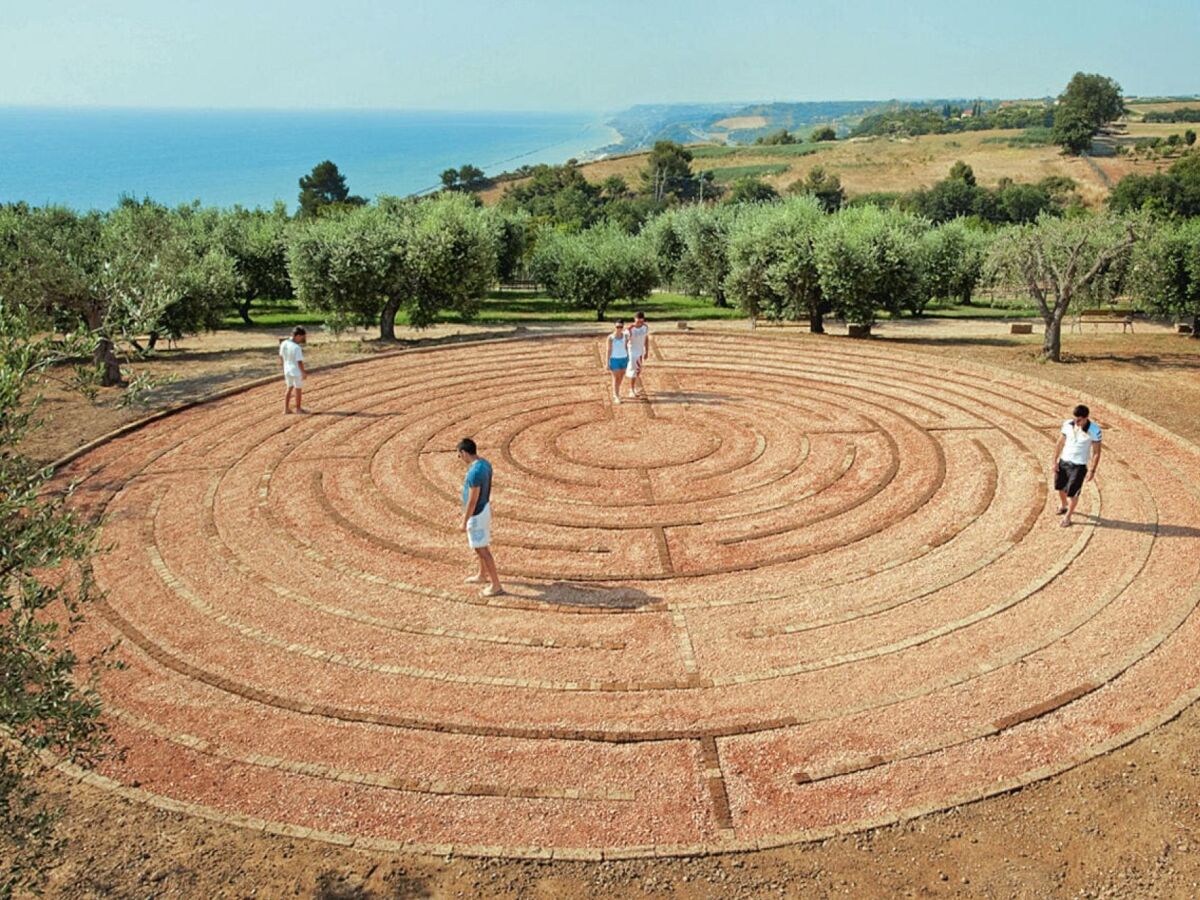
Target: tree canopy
{"x": 1086, "y": 104}
{"x": 668, "y": 173}
{"x": 749, "y": 189}
{"x": 325, "y": 187}
{"x": 595, "y": 268}
{"x": 46, "y": 701}
{"x": 425, "y": 257}
{"x": 1165, "y": 274}
{"x": 1175, "y": 192}
{"x": 869, "y": 260}
{"x": 772, "y": 261}
{"x": 824, "y": 186}
{"x": 1061, "y": 262}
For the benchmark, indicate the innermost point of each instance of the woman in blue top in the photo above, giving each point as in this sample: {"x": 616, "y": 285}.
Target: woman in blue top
{"x": 617, "y": 357}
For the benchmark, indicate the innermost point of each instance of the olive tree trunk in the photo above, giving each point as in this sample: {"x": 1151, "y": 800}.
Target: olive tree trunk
{"x": 387, "y": 320}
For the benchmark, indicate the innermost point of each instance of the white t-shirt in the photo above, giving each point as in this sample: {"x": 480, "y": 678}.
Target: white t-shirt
{"x": 292, "y": 354}
{"x": 1077, "y": 443}
{"x": 637, "y": 341}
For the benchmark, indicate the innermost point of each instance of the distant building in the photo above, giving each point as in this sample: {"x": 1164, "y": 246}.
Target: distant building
{"x": 967, "y": 114}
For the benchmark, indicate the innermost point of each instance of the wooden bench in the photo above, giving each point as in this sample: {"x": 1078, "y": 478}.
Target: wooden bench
{"x": 1100, "y": 317}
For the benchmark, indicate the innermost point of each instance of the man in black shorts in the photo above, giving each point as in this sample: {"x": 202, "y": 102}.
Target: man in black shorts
{"x": 1078, "y": 444}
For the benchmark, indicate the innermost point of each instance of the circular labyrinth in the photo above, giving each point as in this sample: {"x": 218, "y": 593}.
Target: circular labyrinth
{"x": 809, "y": 587}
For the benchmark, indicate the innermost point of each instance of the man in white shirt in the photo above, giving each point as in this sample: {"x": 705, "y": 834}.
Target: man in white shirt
{"x": 1078, "y": 444}
{"x": 639, "y": 346}
{"x": 291, "y": 352}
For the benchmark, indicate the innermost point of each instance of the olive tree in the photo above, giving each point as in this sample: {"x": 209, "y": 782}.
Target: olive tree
{"x": 347, "y": 265}
{"x": 594, "y": 268}
{"x": 772, "y": 261}
{"x": 187, "y": 264}
{"x": 869, "y": 260}
{"x": 662, "y": 236}
{"x": 257, "y": 241}
{"x": 371, "y": 262}
{"x": 704, "y": 234}
{"x": 130, "y": 272}
{"x": 451, "y": 257}
{"x": 1061, "y": 262}
{"x": 952, "y": 260}
{"x": 47, "y": 704}
{"x": 512, "y": 240}
{"x": 1165, "y": 274}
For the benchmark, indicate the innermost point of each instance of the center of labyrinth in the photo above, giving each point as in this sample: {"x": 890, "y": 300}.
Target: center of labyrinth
{"x": 803, "y": 588}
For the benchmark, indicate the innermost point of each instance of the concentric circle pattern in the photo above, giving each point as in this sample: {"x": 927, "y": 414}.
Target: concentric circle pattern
{"x": 807, "y": 587}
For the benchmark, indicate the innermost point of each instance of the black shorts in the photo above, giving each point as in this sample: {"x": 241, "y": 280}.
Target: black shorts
{"x": 1069, "y": 477}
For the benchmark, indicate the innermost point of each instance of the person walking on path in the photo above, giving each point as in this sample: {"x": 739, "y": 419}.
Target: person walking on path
{"x": 1078, "y": 445}
{"x": 291, "y": 351}
{"x": 639, "y": 346}
{"x": 477, "y": 515}
{"x": 617, "y": 357}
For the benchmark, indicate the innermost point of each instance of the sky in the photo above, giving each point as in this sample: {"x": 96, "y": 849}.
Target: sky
{"x": 579, "y": 55}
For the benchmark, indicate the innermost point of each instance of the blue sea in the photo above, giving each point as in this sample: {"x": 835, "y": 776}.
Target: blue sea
{"x": 88, "y": 158}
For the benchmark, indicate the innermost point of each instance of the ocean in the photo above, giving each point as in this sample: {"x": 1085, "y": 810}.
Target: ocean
{"x": 88, "y": 158}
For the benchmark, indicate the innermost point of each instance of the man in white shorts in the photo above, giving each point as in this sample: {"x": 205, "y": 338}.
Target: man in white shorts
{"x": 291, "y": 352}
{"x": 639, "y": 346}
{"x": 1078, "y": 444}
{"x": 477, "y": 515}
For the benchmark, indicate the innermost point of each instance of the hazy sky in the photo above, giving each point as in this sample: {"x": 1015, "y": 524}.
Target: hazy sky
{"x": 576, "y": 55}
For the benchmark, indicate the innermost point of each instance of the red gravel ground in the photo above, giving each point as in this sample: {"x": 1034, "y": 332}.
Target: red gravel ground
{"x": 801, "y": 590}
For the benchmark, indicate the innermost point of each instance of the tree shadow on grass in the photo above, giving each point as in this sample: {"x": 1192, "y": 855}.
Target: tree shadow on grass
{"x": 186, "y": 389}
{"x": 581, "y": 595}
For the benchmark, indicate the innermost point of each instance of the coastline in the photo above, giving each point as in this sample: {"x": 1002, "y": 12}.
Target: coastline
{"x": 89, "y": 158}
{"x": 607, "y": 149}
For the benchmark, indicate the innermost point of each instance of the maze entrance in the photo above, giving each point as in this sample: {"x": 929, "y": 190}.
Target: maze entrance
{"x": 808, "y": 587}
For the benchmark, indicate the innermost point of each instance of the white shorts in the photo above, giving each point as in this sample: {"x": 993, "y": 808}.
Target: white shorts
{"x": 479, "y": 529}
{"x": 634, "y": 369}
{"x": 294, "y": 381}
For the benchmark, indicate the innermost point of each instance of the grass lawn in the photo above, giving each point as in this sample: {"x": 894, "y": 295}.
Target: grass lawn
{"x": 513, "y": 308}
{"x": 532, "y": 308}
{"x": 982, "y": 309}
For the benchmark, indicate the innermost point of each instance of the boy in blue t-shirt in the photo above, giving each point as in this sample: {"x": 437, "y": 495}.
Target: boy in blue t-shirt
{"x": 477, "y": 515}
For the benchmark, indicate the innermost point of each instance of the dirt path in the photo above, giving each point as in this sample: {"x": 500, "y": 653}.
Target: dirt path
{"x": 1124, "y": 824}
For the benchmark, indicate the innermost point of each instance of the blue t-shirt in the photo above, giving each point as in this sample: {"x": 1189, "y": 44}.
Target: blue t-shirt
{"x": 480, "y": 476}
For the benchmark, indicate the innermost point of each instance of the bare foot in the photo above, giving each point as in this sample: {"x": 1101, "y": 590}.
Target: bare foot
{"x": 473, "y": 579}
{"x": 492, "y": 591}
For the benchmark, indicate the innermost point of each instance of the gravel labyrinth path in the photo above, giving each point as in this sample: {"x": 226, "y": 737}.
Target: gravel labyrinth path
{"x": 810, "y": 587}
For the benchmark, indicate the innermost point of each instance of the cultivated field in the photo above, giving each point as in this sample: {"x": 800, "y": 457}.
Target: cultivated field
{"x": 866, "y": 165}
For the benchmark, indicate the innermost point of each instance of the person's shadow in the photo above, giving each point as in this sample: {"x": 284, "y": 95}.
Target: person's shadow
{"x": 1163, "y": 530}
{"x": 589, "y": 596}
